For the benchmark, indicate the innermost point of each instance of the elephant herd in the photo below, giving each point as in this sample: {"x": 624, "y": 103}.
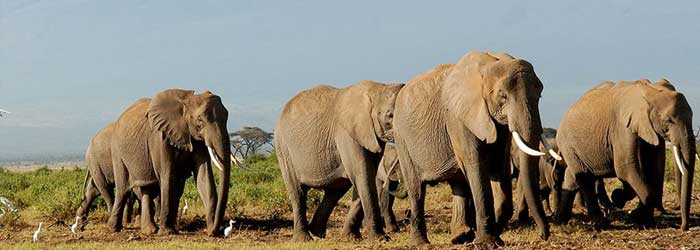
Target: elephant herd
{"x": 474, "y": 124}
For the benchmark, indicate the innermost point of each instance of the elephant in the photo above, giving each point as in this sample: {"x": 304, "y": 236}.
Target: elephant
{"x": 455, "y": 124}
{"x": 99, "y": 179}
{"x": 551, "y": 178}
{"x": 332, "y": 139}
{"x": 158, "y": 143}
{"x": 389, "y": 187}
{"x": 620, "y": 130}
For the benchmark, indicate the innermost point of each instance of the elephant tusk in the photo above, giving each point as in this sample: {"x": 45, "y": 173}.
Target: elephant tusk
{"x": 240, "y": 164}
{"x": 697, "y": 157}
{"x": 550, "y": 150}
{"x": 391, "y": 170}
{"x": 215, "y": 159}
{"x": 391, "y": 144}
{"x": 523, "y": 147}
{"x": 679, "y": 162}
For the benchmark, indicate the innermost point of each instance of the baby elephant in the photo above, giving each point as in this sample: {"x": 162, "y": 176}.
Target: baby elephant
{"x": 389, "y": 186}
{"x": 99, "y": 179}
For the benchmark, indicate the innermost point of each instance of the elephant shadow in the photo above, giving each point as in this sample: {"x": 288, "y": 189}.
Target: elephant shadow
{"x": 621, "y": 220}
{"x": 198, "y": 223}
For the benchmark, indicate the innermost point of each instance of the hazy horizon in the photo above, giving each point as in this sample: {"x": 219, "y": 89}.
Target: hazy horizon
{"x": 69, "y": 67}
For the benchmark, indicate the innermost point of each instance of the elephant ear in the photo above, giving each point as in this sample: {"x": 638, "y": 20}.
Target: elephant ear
{"x": 355, "y": 117}
{"x": 637, "y": 118}
{"x": 166, "y": 113}
{"x": 665, "y": 84}
{"x": 464, "y": 90}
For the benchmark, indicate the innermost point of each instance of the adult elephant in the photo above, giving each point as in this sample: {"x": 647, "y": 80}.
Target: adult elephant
{"x": 332, "y": 139}
{"x": 99, "y": 179}
{"x": 158, "y": 143}
{"x": 621, "y": 130}
{"x": 389, "y": 186}
{"x": 461, "y": 118}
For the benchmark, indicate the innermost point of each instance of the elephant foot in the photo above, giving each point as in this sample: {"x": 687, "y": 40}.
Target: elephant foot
{"x": 301, "y": 236}
{"x": 167, "y": 230}
{"x": 114, "y": 227}
{"x": 488, "y": 241}
{"x": 419, "y": 240}
{"x": 560, "y": 219}
{"x": 643, "y": 217}
{"x": 393, "y": 227}
{"x": 599, "y": 221}
{"x": 149, "y": 229}
{"x": 462, "y": 237}
{"x": 350, "y": 235}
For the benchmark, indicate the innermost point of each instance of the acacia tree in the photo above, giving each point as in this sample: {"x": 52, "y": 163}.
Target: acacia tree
{"x": 249, "y": 140}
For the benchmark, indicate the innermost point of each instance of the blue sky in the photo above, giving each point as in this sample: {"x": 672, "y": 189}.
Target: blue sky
{"x": 68, "y": 67}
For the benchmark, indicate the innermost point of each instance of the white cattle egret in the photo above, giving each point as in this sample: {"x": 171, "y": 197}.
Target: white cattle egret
{"x": 5, "y": 201}
{"x": 184, "y": 209}
{"x": 36, "y": 234}
{"x": 227, "y": 231}
{"x": 74, "y": 227}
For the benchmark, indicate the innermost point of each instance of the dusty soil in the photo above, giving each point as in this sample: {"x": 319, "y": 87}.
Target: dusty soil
{"x": 253, "y": 232}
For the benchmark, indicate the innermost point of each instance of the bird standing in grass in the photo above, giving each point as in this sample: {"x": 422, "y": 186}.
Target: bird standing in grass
{"x": 37, "y": 233}
{"x": 74, "y": 227}
{"x": 185, "y": 208}
{"x": 227, "y": 231}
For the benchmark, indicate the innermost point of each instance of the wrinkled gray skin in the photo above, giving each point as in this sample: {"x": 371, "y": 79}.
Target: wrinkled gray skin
{"x": 388, "y": 185}
{"x": 158, "y": 143}
{"x": 621, "y": 130}
{"x": 99, "y": 179}
{"x": 551, "y": 179}
{"x": 458, "y": 119}
{"x": 332, "y": 139}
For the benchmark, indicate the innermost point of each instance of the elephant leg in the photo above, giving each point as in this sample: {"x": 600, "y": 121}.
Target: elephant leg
{"x": 521, "y": 209}
{"x": 319, "y": 221}
{"x": 586, "y": 182}
{"x": 362, "y": 173}
{"x": 129, "y": 209}
{"x": 643, "y": 214}
{"x": 386, "y": 202}
{"x": 503, "y": 202}
{"x": 566, "y": 199}
{"x": 297, "y": 196}
{"x": 353, "y": 222}
{"x": 121, "y": 180}
{"x": 83, "y": 211}
{"x": 486, "y": 228}
{"x": 545, "y": 193}
{"x": 204, "y": 179}
{"x": 148, "y": 226}
{"x": 416, "y": 196}
{"x": 602, "y": 194}
{"x": 106, "y": 189}
{"x": 461, "y": 229}
{"x": 169, "y": 194}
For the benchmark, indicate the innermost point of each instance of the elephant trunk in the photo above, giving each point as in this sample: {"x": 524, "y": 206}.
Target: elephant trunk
{"x": 220, "y": 153}
{"x": 684, "y": 156}
{"x": 526, "y": 125}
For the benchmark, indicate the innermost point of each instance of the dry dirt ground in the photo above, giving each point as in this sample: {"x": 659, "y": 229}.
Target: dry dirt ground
{"x": 252, "y": 233}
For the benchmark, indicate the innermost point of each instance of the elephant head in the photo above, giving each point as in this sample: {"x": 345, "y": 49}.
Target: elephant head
{"x": 491, "y": 92}
{"x": 657, "y": 110}
{"x": 196, "y": 123}
{"x": 368, "y": 115}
